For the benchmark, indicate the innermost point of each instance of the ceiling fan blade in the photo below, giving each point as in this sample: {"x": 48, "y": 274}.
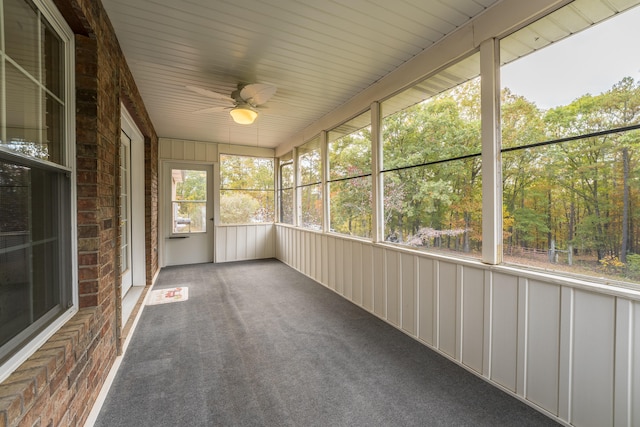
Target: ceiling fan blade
{"x": 257, "y": 93}
{"x": 213, "y": 110}
{"x": 211, "y": 94}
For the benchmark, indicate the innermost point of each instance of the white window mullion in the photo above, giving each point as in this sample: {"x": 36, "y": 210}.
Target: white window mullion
{"x": 324, "y": 176}
{"x": 297, "y": 191}
{"x": 3, "y": 80}
{"x": 41, "y": 104}
{"x": 491, "y": 157}
{"x": 377, "y": 187}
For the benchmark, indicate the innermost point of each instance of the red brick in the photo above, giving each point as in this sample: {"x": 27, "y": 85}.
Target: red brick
{"x": 10, "y": 410}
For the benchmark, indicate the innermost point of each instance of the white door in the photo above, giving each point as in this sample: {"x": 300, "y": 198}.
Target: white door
{"x": 188, "y": 213}
{"x": 125, "y": 212}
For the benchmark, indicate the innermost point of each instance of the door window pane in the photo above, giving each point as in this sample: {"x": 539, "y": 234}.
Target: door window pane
{"x": 189, "y": 204}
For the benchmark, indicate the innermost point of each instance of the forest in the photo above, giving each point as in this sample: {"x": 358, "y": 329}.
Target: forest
{"x": 570, "y": 179}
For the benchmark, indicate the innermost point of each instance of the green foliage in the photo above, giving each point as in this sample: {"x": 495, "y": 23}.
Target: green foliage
{"x": 237, "y": 208}
{"x": 633, "y": 266}
{"x": 247, "y": 189}
{"x": 429, "y": 200}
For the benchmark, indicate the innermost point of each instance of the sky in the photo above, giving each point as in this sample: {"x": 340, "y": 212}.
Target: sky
{"x": 591, "y": 61}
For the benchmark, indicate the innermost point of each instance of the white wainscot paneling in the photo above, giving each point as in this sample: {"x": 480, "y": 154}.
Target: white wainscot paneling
{"x": 393, "y": 286}
{"x": 232, "y": 243}
{"x": 331, "y": 282}
{"x": 241, "y": 243}
{"x": 319, "y": 259}
{"x": 339, "y": 266}
{"x": 569, "y": 351}
{"x": 306, "y": 269}
{"x": 543, "y": 344}
{"x": 473, "y": 304}
{"x": 379, "y": 291}
{"x": 245, "y": 242}
{"x": 409, "y": 293}
{"x": 258, "y": 242}
{"x": 367, "y": 277}
{"x": 427, "y": 300}
{"x": 504, "y": 334}
{"x": 447, "y": 307}
{"x": 593, "y": 359}
{"x": 252, "y": 237}
{"x": 312, "y": 255}
{"x": 325, "y": 261}
{"x": 356, "y": 273}
{"x": 347, "y": 262}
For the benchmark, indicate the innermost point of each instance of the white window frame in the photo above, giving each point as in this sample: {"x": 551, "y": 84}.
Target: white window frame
{"x": 62, "y": 29}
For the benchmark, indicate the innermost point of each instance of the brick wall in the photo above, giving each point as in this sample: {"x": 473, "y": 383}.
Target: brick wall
{"x": 58, "y": 384}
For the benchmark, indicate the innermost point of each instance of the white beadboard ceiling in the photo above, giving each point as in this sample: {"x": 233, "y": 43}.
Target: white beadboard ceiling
{"x": 319, "y": 54}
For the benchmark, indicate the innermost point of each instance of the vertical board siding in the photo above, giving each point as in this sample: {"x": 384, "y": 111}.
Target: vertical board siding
{"x": 543, "y": 345}
{"x": 427, "y": 300}
{"x": 241, "y": 243}
{"x": 409, "y": 294}
{"x": 175, "y": 149}
{"x": 473, "y": 318}
{"x": 252, "y": 250}
{"x": 347, "y": 279}
{"x": 319, "y": 259}
{"x": 356, "y": 274}
{"x": 246, "y": 242}
{"x": 339, "y": 266}
{"x": 447, "y": 309}
{"x": 331, "y": 282}
{"x": 325, "y": 260}
{"x": 505, "y": 327}
{"x": 307, "y": 253}
{"x": 379, "y": 291}
{"x": 552, "y": 345}
{"x": 393, "y": 287}
{"x": 367, "y": 277}
{"x": 594, "y": 332}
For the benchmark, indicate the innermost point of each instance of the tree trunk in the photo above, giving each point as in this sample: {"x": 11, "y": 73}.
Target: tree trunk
{"x": 625, "y": 205}
{"x": 467, "y": 223}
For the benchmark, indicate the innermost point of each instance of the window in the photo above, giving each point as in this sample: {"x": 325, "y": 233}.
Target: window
{"x": 432, "y": 164}
{"x": 310, "y": 184}
{"x": 286, "y": 189}
{"x": 36, "y": 175}
{"x": 246, "y": 189}
{"x": 571, "y": 134}
{"x": 350, "y": 177}
{"x": 189, "y": 201}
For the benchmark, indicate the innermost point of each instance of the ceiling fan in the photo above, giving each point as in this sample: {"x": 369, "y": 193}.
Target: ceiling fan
{"x": 243, "y": 103}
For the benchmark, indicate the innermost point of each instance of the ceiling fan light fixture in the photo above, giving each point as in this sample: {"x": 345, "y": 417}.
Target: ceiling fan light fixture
{"x": 243, "y": 115}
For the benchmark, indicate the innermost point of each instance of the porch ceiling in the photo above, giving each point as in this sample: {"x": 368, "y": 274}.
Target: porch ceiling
{"x": 319, "y": 54}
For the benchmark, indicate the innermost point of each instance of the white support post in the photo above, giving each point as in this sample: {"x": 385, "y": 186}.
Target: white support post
{"x": 297, "y": 196}
{"x": 324, "y": 177}
{"x": 377, "y": 199}
{"x": 491, "y": 156}
{"x": 277, "y": 181}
